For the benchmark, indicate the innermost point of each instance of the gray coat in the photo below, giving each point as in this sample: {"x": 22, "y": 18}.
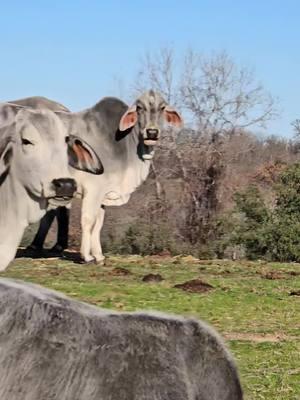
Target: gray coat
{"x": 55, "y": 348}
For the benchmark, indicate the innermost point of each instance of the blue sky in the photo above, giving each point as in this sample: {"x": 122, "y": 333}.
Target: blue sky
{"x": 75, "y": 51}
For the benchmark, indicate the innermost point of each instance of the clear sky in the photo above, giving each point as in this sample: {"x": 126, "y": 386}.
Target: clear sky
{"x": 73, "y": 51}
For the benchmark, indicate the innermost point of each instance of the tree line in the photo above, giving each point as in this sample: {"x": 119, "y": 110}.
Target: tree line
{"x": 215, "y": 182}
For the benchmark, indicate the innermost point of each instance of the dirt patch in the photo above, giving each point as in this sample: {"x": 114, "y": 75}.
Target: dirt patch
{"x": 55, "y": 272}
{"x": 194, "y": 286}
{"x": 293, "y": 273}
{"x": 272, "y": 275}
{"x": 96, "y": 275}
{"x": 152, "y": 278}
{"x": 295, "y": 293}
{"x": 120, "y": 271}
{"x": 252, "y": 337}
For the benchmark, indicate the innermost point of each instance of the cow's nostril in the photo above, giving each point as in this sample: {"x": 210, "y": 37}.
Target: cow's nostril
{"x": 152, "y": 133}
{"x": 64, "y": 187}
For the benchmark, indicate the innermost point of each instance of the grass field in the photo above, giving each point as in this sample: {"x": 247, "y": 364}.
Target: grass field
{"x": 251, "y": 304}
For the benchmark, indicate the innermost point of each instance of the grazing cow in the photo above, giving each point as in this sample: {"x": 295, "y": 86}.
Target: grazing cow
{"x": 124, "y": 138}
{"x": 55, "y": 348}
{"x": 35, "y": 151}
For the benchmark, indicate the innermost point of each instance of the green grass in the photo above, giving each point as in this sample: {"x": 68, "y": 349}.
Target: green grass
{"x": 257, "y": 315}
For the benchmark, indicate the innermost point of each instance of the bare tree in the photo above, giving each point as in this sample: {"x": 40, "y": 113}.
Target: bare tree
{"x": 213, "y": 90}
{"x": 158, "y": 71}
{"x": 220, "y": 99}
{"x": 296, "y": 125}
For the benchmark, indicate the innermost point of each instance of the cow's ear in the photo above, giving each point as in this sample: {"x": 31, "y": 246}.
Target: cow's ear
{"x": 8, "y": 113}
{"x": 129, "y": 119}
{"x": 6, "y": 153}
{"x": 83, "y": 157}
{"x": 173, "y": 117}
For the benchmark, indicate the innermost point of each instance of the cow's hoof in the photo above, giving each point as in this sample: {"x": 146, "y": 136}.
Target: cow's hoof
{"x": 100, "y": 262}
{"x": 99, "y": 259}
{"x": 35, "y": 251}
{"x": 87, "y": 261}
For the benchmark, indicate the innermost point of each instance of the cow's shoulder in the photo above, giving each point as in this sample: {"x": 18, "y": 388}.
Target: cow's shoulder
{"x": 110, "y": 105}
{"x": 109, "y": 110}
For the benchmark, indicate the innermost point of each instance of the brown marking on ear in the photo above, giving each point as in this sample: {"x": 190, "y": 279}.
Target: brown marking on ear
{"x": 82, "y": 154}
{"x": 172, "y": 117}
{"x": 128, "y": 120}
{"x": 83, "y": 157}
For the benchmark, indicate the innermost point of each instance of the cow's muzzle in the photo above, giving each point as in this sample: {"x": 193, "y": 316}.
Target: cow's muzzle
{"x": 151, "y": 137}
{"x": 64, "y": 187}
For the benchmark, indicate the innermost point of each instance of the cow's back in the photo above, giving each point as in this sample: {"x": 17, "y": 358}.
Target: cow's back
{"x": 40, "y": 102}
{"x": 52, "y": 347}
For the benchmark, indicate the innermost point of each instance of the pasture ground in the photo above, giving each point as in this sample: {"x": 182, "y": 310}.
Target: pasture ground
{"x": 254, "y": 305}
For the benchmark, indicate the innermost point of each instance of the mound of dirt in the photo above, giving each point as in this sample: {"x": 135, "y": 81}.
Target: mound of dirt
{"x": 293, "y": 273}
{"x": 120, "y": 271}
{"x": 272, "y": 275}
{"x": 194, "y": 286}
{"x": 152, "y": 278}
{"x": 295, "y": 293}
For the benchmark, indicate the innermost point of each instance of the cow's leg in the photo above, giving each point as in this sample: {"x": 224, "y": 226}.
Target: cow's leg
{"x": 89, "y": 213}
{"x": 7, "y": 254}
{"x": 63, "y": 218}
{"x": 96, "y": 248}
{"x": 45, "y": 223}
{"x": 9, "y": 243}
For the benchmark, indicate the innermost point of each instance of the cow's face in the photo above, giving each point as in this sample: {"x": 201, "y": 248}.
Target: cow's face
{"x": 38, "y": 154}
{"x": 40, "y": 159}
{"x": 148, "y": 113}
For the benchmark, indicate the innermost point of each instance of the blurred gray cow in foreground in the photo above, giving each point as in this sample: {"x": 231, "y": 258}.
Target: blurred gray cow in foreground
{"x": 56, "y": 348}
{"x": 124, "y": 138}
{"x": 35, "y": 153}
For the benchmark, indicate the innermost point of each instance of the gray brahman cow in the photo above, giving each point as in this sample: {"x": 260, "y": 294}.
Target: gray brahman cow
{"x": 55, "y": 348}
{"x": 35, "y": 153}
{"x": 124, "y": 139}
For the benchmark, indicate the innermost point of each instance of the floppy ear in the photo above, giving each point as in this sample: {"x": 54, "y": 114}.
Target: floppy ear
{"x": 83, "y": 157}
{"x": 129, "y": 119}
{"x": 173, "y": 117}
{"x": 6, "y": 153}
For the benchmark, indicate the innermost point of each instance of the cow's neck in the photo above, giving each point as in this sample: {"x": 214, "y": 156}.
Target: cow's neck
{"x": 139, "y": 162}
{"x": 16, "y": 212}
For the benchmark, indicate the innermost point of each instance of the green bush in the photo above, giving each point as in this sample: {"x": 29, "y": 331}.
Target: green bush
{"x": 147, "y": 239}
{"x": 245, "y": 225}
{"x": 267, "y": 233}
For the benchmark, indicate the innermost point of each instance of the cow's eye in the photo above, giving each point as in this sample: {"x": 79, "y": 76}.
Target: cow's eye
{"x": 139, "y": 107}
{"x": 67, "y": 138}
{"x": 162, "y": 108}
{"x": 26, "y": 142}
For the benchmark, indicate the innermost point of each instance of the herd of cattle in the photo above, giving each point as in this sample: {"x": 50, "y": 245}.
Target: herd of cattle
{"x": 108, "y": 147}
{"x": 52, "y": 347}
